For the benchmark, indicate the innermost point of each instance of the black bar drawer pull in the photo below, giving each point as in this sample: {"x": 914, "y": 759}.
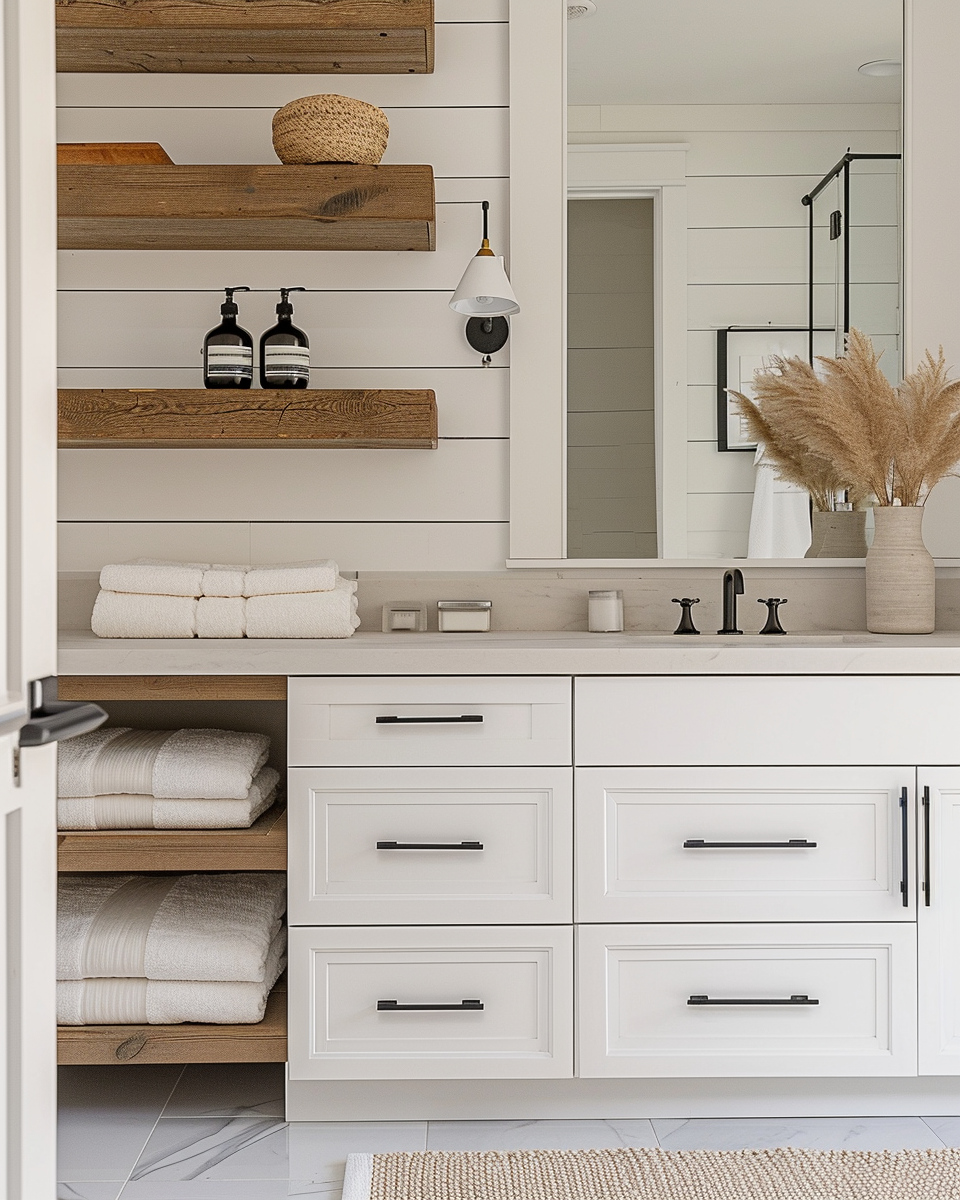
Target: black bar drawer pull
{"x": 793, "y": 844}
{"x": 429, "y": 845}
{"x": 926, "y": 847}
{"x": 463, "y": 1006}
{"x": 786, "y": 1000}
{"x": 464, "y": 719}
{"x": 904, "y": 849}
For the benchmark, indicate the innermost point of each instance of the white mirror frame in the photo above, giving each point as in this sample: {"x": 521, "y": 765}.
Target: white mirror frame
{"x": 538, "y": 192}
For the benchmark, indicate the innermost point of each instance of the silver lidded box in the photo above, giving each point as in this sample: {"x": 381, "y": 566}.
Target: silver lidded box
{"x": 464, "y": 616}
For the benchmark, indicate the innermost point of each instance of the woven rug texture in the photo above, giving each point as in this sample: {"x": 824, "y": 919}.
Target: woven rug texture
{"x": 641, "y": 1174}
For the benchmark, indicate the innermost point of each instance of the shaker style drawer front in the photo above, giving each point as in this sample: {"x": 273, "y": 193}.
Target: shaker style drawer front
{"x": 747, "y": 1000}
{"x": 430, "y": 846}
{"x": 430, "y": 1003}
{"x": 733, "y": 720}
{"x": 429, "y": 722}
{"x": 745, "y": 844}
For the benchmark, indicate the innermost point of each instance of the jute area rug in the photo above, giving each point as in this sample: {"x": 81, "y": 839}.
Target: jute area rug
{"x": 632, "y": 1174}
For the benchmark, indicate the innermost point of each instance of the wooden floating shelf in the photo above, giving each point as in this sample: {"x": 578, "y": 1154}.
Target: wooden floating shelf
{"x": 291, "y": 37}
{"x": 172, "y": 687}
{"x": 246, "y": 207}
{"x": 105, "y": 418}
{"x": 85, "y": 1045}
{"x": 262, "y": 847}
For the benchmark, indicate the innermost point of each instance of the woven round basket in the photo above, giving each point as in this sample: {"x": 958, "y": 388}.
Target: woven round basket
{"x": 330, "y": 129}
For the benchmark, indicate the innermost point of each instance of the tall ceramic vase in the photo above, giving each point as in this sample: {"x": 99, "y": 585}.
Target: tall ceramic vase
{"x": 900, "y": 574}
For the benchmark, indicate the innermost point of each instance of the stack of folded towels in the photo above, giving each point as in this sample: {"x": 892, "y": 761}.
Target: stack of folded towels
{"x": 164, "y": 779}
{"x": 150, "y": 598}
{"x": 163, "y": 949}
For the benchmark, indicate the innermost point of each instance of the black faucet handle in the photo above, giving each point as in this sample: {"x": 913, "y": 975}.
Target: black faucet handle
{"x": 686, "y": 616}
{"x": 773, "y": 615}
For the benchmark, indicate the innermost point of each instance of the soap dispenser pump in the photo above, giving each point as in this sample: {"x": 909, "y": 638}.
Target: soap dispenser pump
{"x": 228, "y": 349}
{"x": 285, "y": 349}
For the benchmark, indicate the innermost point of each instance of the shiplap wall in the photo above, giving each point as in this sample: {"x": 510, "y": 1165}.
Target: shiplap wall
{"x": 747, "y": 168}
{"x": 137, "y": 319}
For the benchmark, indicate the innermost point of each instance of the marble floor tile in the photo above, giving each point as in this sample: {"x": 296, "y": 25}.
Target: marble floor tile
{"x": 232, "y": 1189}
{"x": 538, "y": 1135}
{"x": 91, "y": 1190}
{"x": 318, "y": 1152}
{"x": 106, "y": 1115}
{"x": 228, "y": 1090}
{"x": 947, "y": 1129}
{"x": 186, "y": 1148}
{"x": 807, "y": 1133}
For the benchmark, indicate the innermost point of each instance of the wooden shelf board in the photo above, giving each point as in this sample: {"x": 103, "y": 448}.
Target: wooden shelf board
{"x": 98, "y": 418}
{"x": 262, "y": 847}
{"x": 246, "y": 207}
{"x": 84, "y": 1045}
{"x": 172, "y": 687}
{"x": 291, "y": 37}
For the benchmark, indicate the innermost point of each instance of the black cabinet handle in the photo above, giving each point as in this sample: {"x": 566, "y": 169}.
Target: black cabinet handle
{"x": 53, "y": 720}
{"x": 465, "y": 719}
{"x": 793, "y": 844}
{"x": 799, "y": 1000}
{"x": 926, "y": 847}
{"x": 904, "y": 855}
{"x": 463, "y": 1006}
{"x": 429, "y": 845}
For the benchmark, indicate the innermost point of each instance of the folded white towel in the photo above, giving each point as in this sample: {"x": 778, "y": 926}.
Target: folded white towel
{"x": 154, "y": 576}
{"x": 168, "y": 1002}
{"x": 187, "y": 764}
{"x": 221, "y": 617}
{"x": 125, "y": 615}
{"x": 192, "y": 927}
{"x": 133, "y": 811}
{"x": 317, "y": 576}
{"x": 223, "y": 580}
{"x": 305, "y": 614}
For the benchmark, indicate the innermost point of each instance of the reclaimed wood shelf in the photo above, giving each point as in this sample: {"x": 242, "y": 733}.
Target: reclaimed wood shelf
{"x": 104, "y": 418}
{"x": 262, "y": 847}
{"x": 327, "y": 206}
{"x": 85, "y": 1045}
{"x": 289, "y": 37}
{"x": 172, "y": 687}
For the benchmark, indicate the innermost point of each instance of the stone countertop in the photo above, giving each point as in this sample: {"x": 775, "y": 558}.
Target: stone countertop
{"x": 518, "y": 653}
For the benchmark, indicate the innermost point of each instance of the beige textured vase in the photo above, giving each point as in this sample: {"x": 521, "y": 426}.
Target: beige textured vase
{"x": 901, "y": 582}
{"x": 838, "y": 535}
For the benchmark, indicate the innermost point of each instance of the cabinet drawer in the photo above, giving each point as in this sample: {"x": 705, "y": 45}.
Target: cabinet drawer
{"x": 744, "y": 844}
{"x": 386, "y": 846}
{"x": 518, "y": 1026}
{"x": 429, "y": 722}
{"x": 637, "y": 1019}
{"x": 759, "y": 721}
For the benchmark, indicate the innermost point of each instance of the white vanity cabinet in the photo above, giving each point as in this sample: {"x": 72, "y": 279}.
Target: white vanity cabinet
{"x": 939, "y": 920}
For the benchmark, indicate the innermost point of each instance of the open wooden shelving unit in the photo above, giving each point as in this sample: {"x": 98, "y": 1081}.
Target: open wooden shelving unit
{"x": 290, "y": 37}
{"x": 111, "y": 418}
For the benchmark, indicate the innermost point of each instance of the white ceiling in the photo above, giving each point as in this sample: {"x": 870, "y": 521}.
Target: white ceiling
{"x": 733, "y": 52}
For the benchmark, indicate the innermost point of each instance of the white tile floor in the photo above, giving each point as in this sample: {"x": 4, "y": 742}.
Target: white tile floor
{"x": 216, "y": 1133}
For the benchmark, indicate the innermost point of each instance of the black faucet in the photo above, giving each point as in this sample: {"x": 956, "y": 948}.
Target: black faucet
{"x": 732, "y": 588}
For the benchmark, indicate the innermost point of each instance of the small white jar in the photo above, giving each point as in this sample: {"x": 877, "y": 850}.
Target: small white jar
{"x": 605, "y": 612}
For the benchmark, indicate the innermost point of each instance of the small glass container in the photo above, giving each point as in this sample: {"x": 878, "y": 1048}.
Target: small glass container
{"x": 464, "y": 616}
{"x": 605, "y": 612}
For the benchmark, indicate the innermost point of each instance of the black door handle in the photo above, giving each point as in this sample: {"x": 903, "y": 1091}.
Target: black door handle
{"x": 429, "y": 845}
{"x": 53, "y": 720}
{"x": 804, "y": 1000}
{"x": 465, "y": 719}
{"x": 904, "y": 851}
{"x": 926, "y": 847}
{"x": 463, "y": 1006}
{"x": 793, "y": 844}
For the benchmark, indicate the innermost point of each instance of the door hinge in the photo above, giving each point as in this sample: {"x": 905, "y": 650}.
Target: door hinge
{"x": 16, "y": 766}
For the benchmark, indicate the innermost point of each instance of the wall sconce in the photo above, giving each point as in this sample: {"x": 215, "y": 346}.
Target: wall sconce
{"x": 486, "y": 297}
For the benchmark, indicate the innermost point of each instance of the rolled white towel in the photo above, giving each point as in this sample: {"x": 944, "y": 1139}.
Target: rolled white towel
{"x": 168, "y": 1002}
{"x": 305, "y": 614}
{"x": 127, "y": 615}
{"x": 320, "y": 575}
{"x": 221, "y": 617}
{"x": 223, "y": 580}
{"x": 187, "y": 764}
{"x": 131, "y": 811}
{"x": 190, "y": 927}
{"x": 154, "y": 576}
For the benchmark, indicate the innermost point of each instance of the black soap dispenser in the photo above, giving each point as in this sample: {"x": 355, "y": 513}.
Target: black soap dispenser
{"x": 228, "y": 349}
{"x": 285, "y": 349}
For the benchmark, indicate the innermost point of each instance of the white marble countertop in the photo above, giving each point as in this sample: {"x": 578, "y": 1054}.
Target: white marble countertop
{"x": 518, "y": 653}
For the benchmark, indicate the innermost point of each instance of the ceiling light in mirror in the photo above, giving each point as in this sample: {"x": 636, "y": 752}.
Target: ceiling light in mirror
{"x": 585, "y": 8}
{"x": 880, "y": 66}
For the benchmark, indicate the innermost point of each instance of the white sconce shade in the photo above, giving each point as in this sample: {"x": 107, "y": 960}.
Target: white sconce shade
{"x": 485, "y": 290}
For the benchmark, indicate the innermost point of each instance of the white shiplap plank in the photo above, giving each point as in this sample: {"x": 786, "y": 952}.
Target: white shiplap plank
{"x": 764, "y": 201}
{"x": 710, "y": 470}
{"x": 466, "y": 142}
{"x": 729, "y": 256}
{"x": 749, "y": 118}
{"x": 714, "y": 511}
{"x": 471, "y": 10}
{"x": 346, "y": 329}
{"x": 726, "y": 545}
{"x": 712, "y": 306}
{"x": 459, "y": 227}
{"x": 471, "y": 402}
{"x": 701, "y": 413}
{"x": 89, "y": 546}
{"x": 471, "y": 70}
{"x": 460, "y": 481}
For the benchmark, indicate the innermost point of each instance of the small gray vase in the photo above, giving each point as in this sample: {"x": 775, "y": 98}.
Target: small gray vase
{"x": 838, "y": 535}
{"x": 900, "y": 576}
